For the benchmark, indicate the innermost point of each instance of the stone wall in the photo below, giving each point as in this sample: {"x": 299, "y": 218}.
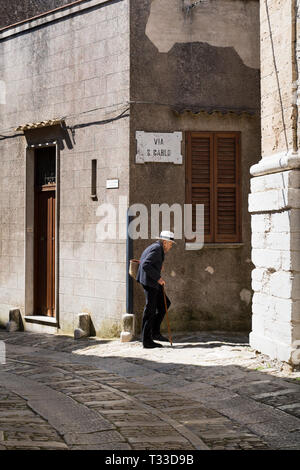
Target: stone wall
{"x": 64, "y": 65}
{"x": 179, "y": 61}
{"x": 276, "y": 87}
{"x": 275, "y": 254}
{"x": 275, "y": 190}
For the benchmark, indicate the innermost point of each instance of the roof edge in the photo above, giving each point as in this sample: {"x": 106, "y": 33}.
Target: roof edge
{"x": 43, "y": 18}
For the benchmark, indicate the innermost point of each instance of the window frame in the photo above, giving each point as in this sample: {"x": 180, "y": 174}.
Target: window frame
{"x": 213, "y": 237}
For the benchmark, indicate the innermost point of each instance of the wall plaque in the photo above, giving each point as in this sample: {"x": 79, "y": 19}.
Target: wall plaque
{"x": 111, "y": 184}
{"x": 159, "y": 147}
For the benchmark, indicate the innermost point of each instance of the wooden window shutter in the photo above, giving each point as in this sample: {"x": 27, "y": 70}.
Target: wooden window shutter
{"x": 199, "y": 178}
{"x": 226, "y": 187}
{"x": 213, "y": 179}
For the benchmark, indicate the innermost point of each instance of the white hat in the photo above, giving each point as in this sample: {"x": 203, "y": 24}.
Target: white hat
{"x": 166, "y": 235}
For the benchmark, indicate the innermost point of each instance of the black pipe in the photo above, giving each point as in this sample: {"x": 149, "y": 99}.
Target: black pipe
{"x": 129, "y": 283}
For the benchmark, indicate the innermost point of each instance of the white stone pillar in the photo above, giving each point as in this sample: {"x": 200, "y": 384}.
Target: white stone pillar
{"x": 275, "y": 206}
{"x": 274, "y": 201}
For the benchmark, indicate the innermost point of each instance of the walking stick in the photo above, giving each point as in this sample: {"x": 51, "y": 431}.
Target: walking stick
{"x": 169, "y": 331}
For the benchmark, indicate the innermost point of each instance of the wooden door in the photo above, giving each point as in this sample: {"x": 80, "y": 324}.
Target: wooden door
{"x": 44, "y": 282}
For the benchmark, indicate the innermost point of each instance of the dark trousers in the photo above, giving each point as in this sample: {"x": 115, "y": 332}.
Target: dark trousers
{"x": 154, "y": 312}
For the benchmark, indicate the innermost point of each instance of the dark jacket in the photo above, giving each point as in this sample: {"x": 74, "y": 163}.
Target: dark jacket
{"x": 150, "y": 265}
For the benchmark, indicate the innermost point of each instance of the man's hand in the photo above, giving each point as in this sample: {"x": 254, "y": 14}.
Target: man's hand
{"x": 161, "y": 281}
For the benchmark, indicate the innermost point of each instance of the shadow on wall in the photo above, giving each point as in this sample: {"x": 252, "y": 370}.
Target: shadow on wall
{"x": 189, "y": 74}
{"x": 196, "y": 319}
{"x": 183, "y": 319}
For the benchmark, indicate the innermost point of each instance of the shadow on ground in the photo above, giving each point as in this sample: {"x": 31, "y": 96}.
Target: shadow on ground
{"x": 252, "y": 399}
{"x": 53, "y": 342}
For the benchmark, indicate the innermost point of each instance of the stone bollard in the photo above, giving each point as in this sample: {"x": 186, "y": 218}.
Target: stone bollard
{"x": 15, "y": 321}
{"x": 127, "y": 327}
{"x": 84, "y": 326}
{"x": 295, "y": 356}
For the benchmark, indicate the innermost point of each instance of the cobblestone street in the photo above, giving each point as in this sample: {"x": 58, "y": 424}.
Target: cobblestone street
{"x": 208, "y": 391}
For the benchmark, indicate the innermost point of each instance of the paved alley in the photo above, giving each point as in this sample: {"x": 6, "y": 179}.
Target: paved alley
{"x": 209, "y": 391}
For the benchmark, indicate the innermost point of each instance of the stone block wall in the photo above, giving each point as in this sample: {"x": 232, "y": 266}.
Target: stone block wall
{"x": 275, "y": 190}
{"x": 64, "y": 65}
{"x": 276, "y": 256}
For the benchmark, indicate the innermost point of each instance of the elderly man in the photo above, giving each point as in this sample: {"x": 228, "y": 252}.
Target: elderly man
{"x": 149, "y": 275}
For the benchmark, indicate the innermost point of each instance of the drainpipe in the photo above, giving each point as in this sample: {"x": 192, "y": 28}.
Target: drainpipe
{"x": 128, "y": 318}
{"x": 129, "y": 283}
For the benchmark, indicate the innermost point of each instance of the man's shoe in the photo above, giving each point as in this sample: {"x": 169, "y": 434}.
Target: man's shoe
{"x": 152, "y": 345}
{"x": 160, "y": 337}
